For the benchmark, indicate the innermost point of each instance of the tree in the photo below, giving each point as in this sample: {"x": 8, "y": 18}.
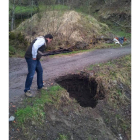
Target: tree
{"x": 12, "y": 10}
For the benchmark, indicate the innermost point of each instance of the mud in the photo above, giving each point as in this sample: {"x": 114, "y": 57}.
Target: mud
{"x": 55, "y": 67}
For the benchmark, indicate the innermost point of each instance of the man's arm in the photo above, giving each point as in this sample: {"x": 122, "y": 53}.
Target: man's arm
{"x": 38, "y": 43}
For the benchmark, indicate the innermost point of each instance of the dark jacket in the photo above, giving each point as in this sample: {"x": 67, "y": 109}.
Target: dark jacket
{"x": 28, "y": 53}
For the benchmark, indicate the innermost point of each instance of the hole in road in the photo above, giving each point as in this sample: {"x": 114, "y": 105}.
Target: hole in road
{"x": 81, "y": 88}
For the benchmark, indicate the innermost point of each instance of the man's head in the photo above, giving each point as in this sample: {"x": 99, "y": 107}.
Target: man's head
{"x": 49, "y": 37}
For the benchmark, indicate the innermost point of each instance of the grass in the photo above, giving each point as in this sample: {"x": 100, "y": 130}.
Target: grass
{"x": 88, "y": 27}
{"x": 121, "y": 33}
{"x": 116, "y": 70}
{"x": 82, "y": 9}
{"x": 53, "y": 7}
{"x": 91, "y": 67}
{"x": 29, "y": 113}
{"x": 112, "y": 74}
{"x": 70, "y": 53}
{"x": 62, "y": 137}
{"x": 20, "y": 53}
{"x": 16, "y": 53}
{"x": 25, "y": 9}
{"x": 33, "y": 9}
{"x": 111, "y": 45}
{"x": 116, "y": 78}
{"x": 34, "y": 109}
{"x": 118, "y": 30}
{"x": 12, "y": 50}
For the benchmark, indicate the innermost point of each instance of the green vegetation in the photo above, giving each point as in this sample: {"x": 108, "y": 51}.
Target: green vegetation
{"x": 82, "y": 9}
{"x": 116, "y": 78}
{"x": 62, "y": 137}
{"x": 12, "y": 50}
{"x": 114, "y": 75}
{"x": 25, "y": 9}
{"x": 87, "y": 30}
{"x": 54, "y": 7}
{"x": 34, "y": 107}
{"x": 119, "y": 32}
{"x": 33, "y": 9}
{"x": 17, "y": 44}
{"x": 119, "y": 70}
{"x": 71, "y": 53}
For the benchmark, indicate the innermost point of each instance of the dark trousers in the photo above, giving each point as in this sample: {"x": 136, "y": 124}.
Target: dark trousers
{"x": 121, "y": 40}
{"x": 33, "y": 65}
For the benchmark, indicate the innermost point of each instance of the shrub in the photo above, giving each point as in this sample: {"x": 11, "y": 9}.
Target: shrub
{"x": 12, "y": 36}
{"x": 12, "y": 50}
{"x": 18, "y": 44}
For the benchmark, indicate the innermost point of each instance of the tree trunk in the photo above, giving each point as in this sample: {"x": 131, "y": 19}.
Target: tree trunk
{"x": 13, "y": 16}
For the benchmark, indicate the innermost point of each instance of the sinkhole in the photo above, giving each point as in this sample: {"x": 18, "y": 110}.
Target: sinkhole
{"x": 85, "y": 90}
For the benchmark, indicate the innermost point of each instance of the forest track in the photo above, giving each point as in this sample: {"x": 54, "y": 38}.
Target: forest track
{"x": 57, "y": 66}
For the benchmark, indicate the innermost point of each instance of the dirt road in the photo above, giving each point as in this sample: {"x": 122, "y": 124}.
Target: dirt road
{"x": 57, "y": 66}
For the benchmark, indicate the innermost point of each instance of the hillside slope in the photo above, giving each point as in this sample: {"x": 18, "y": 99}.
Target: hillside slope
{"x": 65, "y": 26}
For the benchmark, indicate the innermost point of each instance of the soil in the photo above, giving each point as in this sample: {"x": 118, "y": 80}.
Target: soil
{"x": 84, "y": 119}
{"x": 80, "y": 88}
{"x": 55, "y": 67}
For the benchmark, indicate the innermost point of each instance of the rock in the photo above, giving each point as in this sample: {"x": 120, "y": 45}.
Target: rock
{"x": 33, "y": 123}
{"x": 114, "y": 82}
{"x": 12, "y": 118}
{"x": 120, "y": 137}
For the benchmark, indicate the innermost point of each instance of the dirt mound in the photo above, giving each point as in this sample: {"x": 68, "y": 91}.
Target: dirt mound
{"x": 65, "y": 26}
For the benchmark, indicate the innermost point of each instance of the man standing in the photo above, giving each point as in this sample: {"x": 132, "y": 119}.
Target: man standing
{"x": 32, "y": 56}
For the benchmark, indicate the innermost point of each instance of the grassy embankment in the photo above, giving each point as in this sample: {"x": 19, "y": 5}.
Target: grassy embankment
{"x": 116, "y": 78}
{"x": 115, "y": 111}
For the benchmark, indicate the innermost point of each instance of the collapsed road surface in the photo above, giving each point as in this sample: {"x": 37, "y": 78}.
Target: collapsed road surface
{"x": 57, "y": 66}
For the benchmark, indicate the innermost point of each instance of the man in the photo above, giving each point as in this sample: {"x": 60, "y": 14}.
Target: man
{"x": 32, "y": 56}
{"x": 119, "y": 40}
{"x": 122, "y": 39}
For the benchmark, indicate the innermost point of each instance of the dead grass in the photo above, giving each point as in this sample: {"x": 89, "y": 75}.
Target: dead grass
{"x": 116, "y": 79}
{"x": 65, "y": 26}
{"x": 55, "y": 109}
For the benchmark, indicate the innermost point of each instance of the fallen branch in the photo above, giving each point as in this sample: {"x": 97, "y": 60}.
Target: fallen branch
{"x": 95, "y": 40}
{"x": 56, "y": 51}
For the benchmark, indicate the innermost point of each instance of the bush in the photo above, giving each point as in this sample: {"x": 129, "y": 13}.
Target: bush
{"x": 12, "y": 36}
{"x": 12, "y": 50}
{"x": 18, "y": 44}
{"x": 20, "y": 37}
